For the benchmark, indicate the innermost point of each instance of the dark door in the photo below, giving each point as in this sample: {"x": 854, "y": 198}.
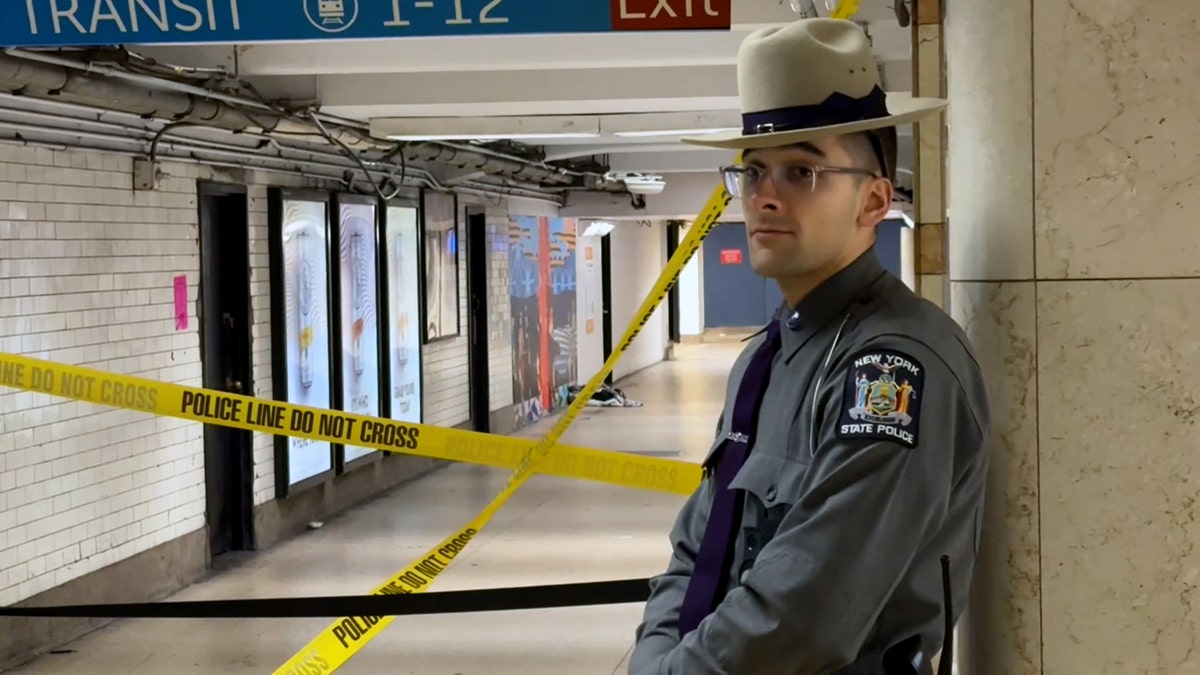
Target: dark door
{"x": 673, "y": 294}
{"x": 606, "y": 298}
{"x": 734, "y": 296}
{"x": 225, "y": 353}
{"x": 887, "y": 246}
{"x": 477, "y": 318}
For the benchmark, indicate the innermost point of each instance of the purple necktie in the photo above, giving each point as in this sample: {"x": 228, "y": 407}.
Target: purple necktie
{"x": 716, "y": 549}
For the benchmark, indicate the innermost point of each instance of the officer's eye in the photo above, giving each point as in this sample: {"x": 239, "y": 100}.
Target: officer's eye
{"x": 799, "y": 173}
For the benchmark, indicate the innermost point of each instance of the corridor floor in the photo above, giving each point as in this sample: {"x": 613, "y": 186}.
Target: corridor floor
{"x": 552, "y": 531}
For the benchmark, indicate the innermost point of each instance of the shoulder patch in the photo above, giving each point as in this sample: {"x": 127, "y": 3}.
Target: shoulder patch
{"x": 882, "y": 399}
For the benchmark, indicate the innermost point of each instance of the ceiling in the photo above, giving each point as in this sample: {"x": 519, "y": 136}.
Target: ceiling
{"x": 628, "y": 91}
{"x": 688, "y": 77}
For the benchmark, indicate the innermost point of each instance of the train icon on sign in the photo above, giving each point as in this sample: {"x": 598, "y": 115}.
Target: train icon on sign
{"x": 331, "y": 11}
{"x": 331, "y": 16}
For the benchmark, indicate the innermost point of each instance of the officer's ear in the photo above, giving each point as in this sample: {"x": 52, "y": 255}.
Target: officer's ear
{"x": 876, "y": 203}
{"x": 872, "y": 151}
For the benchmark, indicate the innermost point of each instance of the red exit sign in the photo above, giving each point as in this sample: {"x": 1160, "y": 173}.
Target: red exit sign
{"x": 731, "y": 256}
{"x": 670, "y": 14}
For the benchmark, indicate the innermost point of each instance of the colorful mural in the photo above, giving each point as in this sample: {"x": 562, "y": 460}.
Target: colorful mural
{"x": 542, "y": 291}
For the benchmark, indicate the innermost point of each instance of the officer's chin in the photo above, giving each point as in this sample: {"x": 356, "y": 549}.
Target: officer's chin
{"x": 768, "y": 264}
{"x": 769, "y": 269}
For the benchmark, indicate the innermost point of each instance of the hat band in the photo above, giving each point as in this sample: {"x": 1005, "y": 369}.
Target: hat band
{"x": 837, "y": 109}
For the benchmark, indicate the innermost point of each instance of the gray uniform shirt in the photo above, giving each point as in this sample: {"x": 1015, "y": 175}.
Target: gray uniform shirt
{"x": 868, "y": 464}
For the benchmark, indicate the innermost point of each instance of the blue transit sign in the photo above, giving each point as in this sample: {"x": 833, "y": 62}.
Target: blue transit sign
{"x": 54, "y": 23}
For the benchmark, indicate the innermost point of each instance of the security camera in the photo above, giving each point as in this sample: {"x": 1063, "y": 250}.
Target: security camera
{"x": 807, "y": 9}
{"x": 639, "y": 183}
{"x": 646, "y": 185}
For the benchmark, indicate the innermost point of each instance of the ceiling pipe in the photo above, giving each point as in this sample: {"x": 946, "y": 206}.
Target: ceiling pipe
{"x": 32, "y": 116}
{"x": 141, "y": 138}
{"x": 42, "y": 75}
{"x": 333, "y": 170}
{"x": 53, "y": 123}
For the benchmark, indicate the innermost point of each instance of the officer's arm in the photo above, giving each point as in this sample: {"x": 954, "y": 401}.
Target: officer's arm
{"x": 810, "y": 600}
{"x": 659, "y": 631}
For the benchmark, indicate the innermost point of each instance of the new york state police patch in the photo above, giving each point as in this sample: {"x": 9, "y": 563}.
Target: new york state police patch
{"x": 882, "y": 399}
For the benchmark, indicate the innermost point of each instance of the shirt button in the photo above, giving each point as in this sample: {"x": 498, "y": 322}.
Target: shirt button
{"x": 771, "y": 493}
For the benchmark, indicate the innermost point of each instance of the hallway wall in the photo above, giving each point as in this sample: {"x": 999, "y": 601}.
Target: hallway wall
{"x": 500, "y": 323}
{"x": 542, "y": 290}
{"x": 638, "y": 257}
{"x": 590, "y": 302}
{"x": 639, "y": 254}
{"x": 86, "y": 268}
{"x": 91, "y": 496}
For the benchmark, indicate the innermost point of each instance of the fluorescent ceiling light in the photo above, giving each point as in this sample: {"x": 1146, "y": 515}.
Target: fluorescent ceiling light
{"x": 598, "y": 228}
{"x": 533, "y": 127}
{"x": 483, "y": 137}
{"x": 670, "y": 132}
{"x": 669, "y": 124}
{"x": 485, "y": 128}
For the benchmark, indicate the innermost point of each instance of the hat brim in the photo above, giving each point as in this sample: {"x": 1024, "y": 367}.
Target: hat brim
{"x": 904, "y": 111}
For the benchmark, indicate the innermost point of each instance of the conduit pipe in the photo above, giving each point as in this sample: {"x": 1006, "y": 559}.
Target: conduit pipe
{"x": 332, "y": 167}
{"x": 45, "y": 75}
{"x": 71, "y": 118}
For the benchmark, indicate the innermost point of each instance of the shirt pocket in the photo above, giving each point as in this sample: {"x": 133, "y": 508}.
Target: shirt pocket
{"x": 774, "y": 479}
{"x": 772, "y": 484}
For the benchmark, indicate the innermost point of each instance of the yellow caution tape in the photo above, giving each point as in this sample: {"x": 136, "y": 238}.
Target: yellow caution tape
{"x": 285, "y": 419}
{"x": 845, "y": 9}
{"x": 338, "y": 643}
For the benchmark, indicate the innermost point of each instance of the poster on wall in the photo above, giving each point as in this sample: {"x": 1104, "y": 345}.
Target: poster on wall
{"x": 542, "y": 288}
{"x": 587, "y": 299}
{"x": 300, "y": 262}
{"x": 589, "y": 290}
{"x": 440, "y": 212}
{"x": 402, "y": 252}
{"x": 358, "y": 312}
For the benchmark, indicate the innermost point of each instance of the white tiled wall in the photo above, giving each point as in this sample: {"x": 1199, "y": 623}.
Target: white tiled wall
{"x": 260, "y": 308}
{"x": 86, "y": 269}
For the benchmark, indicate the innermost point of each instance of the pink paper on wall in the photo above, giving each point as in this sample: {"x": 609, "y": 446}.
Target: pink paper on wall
{"x": 181, "y": 310}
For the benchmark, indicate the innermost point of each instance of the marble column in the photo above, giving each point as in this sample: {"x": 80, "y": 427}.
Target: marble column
{"x": 929, "y": 153}
{"x": 1074, "y": 260}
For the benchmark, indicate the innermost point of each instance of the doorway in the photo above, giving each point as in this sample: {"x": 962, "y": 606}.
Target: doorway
{"x": 606, "y": 298}
{"x": 225, "y": 352}
{"x": 736, "y": 297}
{"x": 478, "y": 326}
{"x": 673, "y": 333}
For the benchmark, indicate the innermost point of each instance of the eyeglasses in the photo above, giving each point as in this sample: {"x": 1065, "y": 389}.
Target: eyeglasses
{"x": 745, "y": 181}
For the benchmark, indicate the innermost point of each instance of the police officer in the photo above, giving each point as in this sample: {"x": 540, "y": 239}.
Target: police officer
{"x": 850, "y": 456}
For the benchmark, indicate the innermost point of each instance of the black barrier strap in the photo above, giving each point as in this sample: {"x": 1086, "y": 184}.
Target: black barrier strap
{"x": 445, "y": 602}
